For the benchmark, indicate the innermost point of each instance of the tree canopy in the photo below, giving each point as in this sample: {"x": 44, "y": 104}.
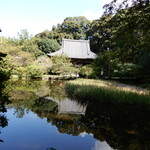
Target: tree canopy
{"x": 71, "y": 28}
{"x": 123, "y": 34}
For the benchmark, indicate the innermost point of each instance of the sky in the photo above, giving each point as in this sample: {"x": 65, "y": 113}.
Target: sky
{"x": 39, "y": 15}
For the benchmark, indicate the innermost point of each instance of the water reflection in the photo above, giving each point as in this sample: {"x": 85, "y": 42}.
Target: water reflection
{"x": 101, "y": 146}
{"x": 121, "y": 126}
{"x": 68, "y": 106}
{"x": 3, "y": 101}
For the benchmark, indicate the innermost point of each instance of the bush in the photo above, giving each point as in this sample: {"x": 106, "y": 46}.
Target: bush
{"x": 127, "y": 70}
{"x": 87, "y": 71}
{"x": 34, "y": 71}
{"x": 20, "y": 71}
{"x": 63, "y": 66}
{"x": 45, "y": 63}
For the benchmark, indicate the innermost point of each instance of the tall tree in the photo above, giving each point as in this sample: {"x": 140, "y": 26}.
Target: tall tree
{"x": 71, "y": 28}
{"x": 126, "y": 33}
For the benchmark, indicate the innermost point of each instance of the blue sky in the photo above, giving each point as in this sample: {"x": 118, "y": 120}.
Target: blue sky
{"x": 39, "y": 15}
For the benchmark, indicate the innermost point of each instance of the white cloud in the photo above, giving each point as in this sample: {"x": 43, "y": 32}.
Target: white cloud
{"x": 83, "y": 134}
{"x": 101, "y": 146}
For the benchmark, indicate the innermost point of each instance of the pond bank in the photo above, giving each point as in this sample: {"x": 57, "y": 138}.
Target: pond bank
{"x": 49, "y": 77}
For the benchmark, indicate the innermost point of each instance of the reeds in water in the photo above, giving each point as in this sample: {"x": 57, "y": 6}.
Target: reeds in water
{"x": 106, "y": 92}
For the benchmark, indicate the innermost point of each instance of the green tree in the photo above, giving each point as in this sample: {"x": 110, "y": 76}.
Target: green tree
{"x": 77, "y": 26}
{"x": 28, "y": 43}
{"x": 5, "y": 71}
{"x": 62, "y": 65}
{"x": 124, "y": 30}
{"x": 71, "y": 28}
{"x": 100, "y": 34}
{"x": 48, "y": 45}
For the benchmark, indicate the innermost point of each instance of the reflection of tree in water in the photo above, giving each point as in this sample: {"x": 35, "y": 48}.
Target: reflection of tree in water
{"x": 3, "y": 102}
{"x": 122, "y": 127}
{"x": 26, "y": 93}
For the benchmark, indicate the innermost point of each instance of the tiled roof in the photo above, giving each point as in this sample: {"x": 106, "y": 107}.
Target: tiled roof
{"x": 78, "y": 49}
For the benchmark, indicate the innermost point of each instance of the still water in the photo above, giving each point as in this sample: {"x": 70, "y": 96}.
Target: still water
{"x": 38, "y": 115}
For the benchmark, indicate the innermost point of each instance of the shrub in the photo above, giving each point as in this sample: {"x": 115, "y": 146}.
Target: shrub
{"x": 34, "y": 71}
{"x": 127, "y": 70}
{"x": 62, "y": 65}
{"x": 87, "y": 71}
{"x": 20, "y": 71}
{"x": 45, "y": 63}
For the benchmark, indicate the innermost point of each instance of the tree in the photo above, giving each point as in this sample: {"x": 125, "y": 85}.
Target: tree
{"x": 5, "y": 71}
{"x": 71, "y": 28}
{"x": 100, "y": 34}
{"x": 124, "y": 30}
{"x": 28, "y": 43}
{"x": 48, "y": 45}
{"x": 77, "y": 26}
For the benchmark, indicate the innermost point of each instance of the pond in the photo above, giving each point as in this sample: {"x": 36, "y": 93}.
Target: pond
{"x": 38, "y": 115}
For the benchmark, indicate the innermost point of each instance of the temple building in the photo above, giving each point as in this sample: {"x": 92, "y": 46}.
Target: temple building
{"x": 77, "y": 50}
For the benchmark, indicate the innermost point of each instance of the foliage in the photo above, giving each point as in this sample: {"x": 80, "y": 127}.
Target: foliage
{"x": 23, "y": 56}
{"x": 31, "y": 46}
{"x": 121, "y": 37}
{"x": 100, "y": 34}
{"x": 107, "y": 65}
{"x": 87, "y": 71}
{"x": 127, "y": 70}
{"x": 28, "y": 43}
{"x": 71, "y": 28}
{"x": 45, "y": 63}
{"x": 5, "y": 70}
{"x": 48, "y": 45}
{"x": 23, "y": 35}
{"x": 62, "y": 65}
{"x": 30, "y": 71}
{"x": 77, "y": 26}
{"x": 21, "y": 59}
{"x": 122, "y": 34}
{"x": 20, "y": 72}
{"x": 34, "y": 71}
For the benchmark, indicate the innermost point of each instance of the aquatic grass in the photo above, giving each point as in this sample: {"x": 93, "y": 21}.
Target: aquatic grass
{"x": 104, "y": 91}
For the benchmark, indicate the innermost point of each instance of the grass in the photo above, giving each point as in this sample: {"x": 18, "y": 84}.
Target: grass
{"x": 106, "y": 92}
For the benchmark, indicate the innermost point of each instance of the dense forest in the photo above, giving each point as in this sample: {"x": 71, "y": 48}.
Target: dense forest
{"x": 120, "y": 37}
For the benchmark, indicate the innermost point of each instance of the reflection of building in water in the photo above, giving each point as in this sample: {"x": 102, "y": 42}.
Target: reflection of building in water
{"x": 68, "y": 106}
